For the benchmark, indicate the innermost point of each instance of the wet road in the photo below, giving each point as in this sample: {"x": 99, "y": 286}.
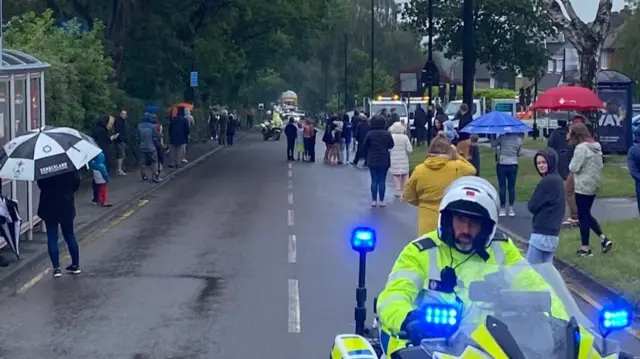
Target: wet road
{"x": 243, "y": 256}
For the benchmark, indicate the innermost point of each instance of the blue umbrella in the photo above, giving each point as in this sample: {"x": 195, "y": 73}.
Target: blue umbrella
{"x": 151, "y": 107}
{"x": 497, "y": 123}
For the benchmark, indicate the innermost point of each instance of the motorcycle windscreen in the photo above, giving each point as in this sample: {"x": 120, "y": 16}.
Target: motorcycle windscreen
{"x": 532, "y": 302}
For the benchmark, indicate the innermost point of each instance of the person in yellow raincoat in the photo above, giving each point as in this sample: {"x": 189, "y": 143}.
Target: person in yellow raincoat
{"x": 425, "y": 188}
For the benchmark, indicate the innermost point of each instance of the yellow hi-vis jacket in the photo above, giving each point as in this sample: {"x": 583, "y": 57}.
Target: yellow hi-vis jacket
{"x": 420, "y": 263}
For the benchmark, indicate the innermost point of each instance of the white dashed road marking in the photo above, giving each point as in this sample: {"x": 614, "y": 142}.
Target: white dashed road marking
{"x": 294, "y": 307}
{"x": 292, "y": 257}
{"x": 290, "y": 217}
{"x": 292, "y": 248}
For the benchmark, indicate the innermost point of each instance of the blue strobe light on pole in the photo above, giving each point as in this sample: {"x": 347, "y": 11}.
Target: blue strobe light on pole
{"x": 363, "y": 241}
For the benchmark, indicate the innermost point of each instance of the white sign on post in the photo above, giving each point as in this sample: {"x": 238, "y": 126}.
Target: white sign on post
{"x": 408, "y": 82}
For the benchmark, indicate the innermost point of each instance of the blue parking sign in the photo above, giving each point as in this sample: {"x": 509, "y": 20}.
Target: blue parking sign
{"x": 194, "y": 79}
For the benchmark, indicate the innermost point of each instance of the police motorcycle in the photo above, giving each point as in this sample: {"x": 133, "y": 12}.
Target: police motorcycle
{"x": 269, "y": 130}
{"x": 501, "y": 318}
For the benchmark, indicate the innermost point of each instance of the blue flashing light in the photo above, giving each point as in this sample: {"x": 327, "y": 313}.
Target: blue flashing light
{"x": 613, "y": 319}
{"x": 442, "y": 315}
{"x": 363, "y": 239}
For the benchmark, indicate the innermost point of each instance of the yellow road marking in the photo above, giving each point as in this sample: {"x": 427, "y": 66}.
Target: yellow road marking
{"x": 87, "y": 240}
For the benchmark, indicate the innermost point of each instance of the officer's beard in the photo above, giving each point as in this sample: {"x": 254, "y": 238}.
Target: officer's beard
{"x": 464, "y": 242}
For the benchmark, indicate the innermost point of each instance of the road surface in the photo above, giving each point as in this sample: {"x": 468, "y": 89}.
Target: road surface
{"x": 243, "y": 256}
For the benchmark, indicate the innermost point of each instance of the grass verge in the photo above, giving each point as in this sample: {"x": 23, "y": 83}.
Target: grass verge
{"x": 531, "y": 144}
{"x": 616, "y": 181}
{"x": 617, "y": 269}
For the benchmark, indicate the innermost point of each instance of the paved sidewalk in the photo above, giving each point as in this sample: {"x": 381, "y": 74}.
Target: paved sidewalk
{"x": 121, "y": 190}
{"x": 604, "y": 209}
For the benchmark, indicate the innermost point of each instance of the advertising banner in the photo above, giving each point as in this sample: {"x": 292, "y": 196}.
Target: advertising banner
{"x": 612, "y": 119}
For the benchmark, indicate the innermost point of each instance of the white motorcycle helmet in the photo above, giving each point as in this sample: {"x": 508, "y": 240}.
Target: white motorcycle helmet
{"x": 469, "y": 196}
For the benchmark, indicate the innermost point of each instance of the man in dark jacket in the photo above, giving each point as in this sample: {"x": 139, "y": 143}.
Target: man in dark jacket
{"x": 558, "y": 141}
{"x": 359, "y": 135}
{"x": 223, "y": 123}
{"x": 464, "y": 118}
{"x": 178, "y": 137}
{"x": 291, "y": 132}
{"x": 376, "y": 146}
{"x": 633, "y": 161}
{"x": 121, "y": 140}
{"x": 231, "y": 129}
{"x": 420, "y": 123}
{"x": 149, "y": 143}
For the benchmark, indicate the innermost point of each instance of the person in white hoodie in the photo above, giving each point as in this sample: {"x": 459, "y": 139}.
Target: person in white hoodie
{"x": 400, "y": 156}
{"x": 586, "y": 166}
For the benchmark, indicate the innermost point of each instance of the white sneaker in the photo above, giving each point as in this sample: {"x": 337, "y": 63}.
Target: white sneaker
{"x": 122, "y": 173}
{"x": 381, "y": 204}
{"x": 512, "y": 213}
{"x": 374, "y": 204}
{"x": 502, "y": 212}
{"x": 184, "y": 161}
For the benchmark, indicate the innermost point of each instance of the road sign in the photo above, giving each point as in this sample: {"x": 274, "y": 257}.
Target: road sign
{"x": 194, "y": 79}
{"x": 408, "y": 82}
{"x": 430, "y": 74}
{"x": 260, "y": 106}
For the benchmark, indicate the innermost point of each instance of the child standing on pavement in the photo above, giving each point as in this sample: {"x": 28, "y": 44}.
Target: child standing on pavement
{"x": 100, "y": 178}
{"x": 299, "y": 147}
{"x": 547, "y": 204}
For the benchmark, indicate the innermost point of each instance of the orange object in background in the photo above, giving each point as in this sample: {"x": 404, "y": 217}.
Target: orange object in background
{"x": 528, "y": 115}
{"x": 174, "y": 108}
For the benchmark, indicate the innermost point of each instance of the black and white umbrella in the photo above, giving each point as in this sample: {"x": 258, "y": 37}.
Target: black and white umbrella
{"x": 10, "y": 223}
{"x": 46, "y": 152}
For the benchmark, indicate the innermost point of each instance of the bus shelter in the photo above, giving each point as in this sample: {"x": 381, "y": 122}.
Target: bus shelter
{"x": 22, "y": 108}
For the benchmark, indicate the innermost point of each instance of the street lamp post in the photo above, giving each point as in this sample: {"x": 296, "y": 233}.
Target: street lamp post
{"x": 468, "y": 53}
{"x": 430, "y": 53}
{"x": 373, "y": 19}
{"x": 346, "y": 97}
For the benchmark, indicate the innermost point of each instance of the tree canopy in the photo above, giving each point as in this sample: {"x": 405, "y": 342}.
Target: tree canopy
{"x": 509, "y": 34}
{"x": 123, "y": 52}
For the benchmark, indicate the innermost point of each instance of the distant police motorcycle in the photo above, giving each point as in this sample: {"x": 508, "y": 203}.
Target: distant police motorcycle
{"x": 271, "y": 127}
{"x": 498, "y": 320}
{"x": 270, "y": 131}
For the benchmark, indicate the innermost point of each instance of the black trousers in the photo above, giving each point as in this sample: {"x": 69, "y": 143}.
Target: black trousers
{"x": 291, "y": 143}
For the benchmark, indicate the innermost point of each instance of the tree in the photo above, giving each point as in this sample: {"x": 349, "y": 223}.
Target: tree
{"x": 586, "y": 39}
{"x": 79, "y": 83}
{"x": 629, "y": 40}
{"x": 382, "y": 81}
{"x": 509, "y": 34}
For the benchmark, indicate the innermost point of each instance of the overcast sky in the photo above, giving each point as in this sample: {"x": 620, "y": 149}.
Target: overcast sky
{"x": 586, "y": 9}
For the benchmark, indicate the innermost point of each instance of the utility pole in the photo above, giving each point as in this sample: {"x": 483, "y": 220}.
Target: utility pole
{"x": 373, "y": 20}
{"x": 346, "y": 97}
{"x": 468, "y": 54}
{"x": 430, "y": 58}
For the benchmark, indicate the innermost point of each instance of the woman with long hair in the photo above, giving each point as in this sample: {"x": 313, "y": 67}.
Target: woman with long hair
{"x": 586, "y": 167}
